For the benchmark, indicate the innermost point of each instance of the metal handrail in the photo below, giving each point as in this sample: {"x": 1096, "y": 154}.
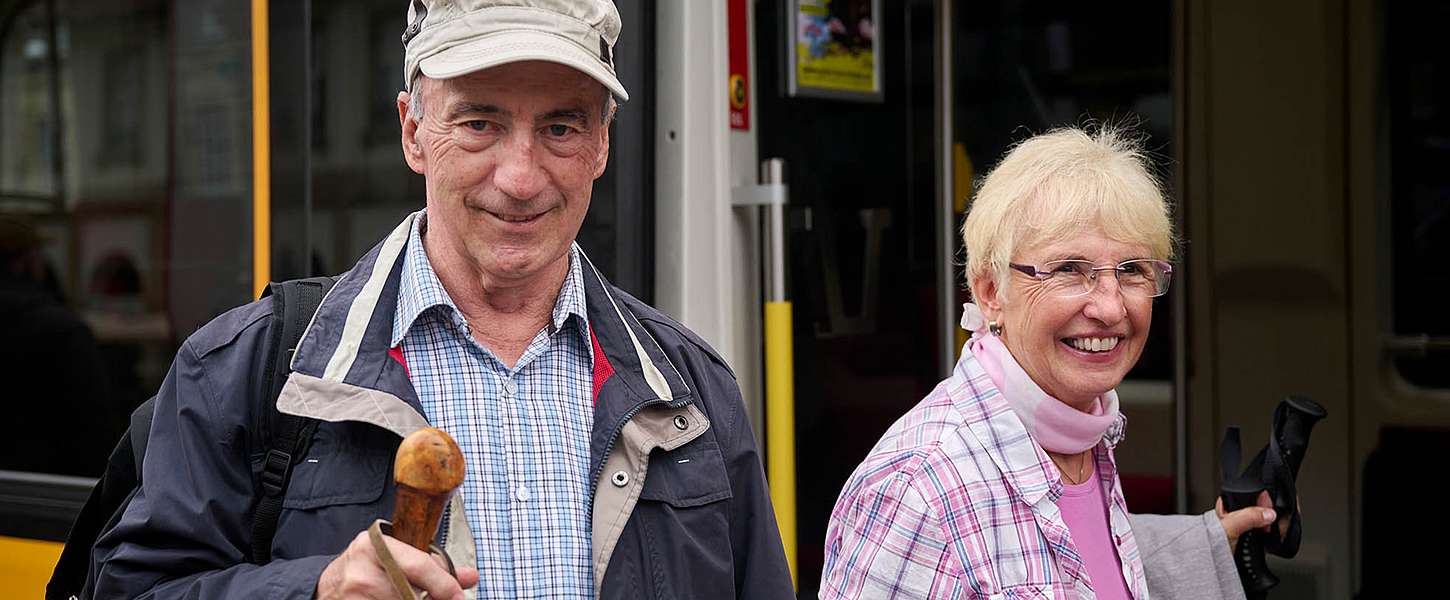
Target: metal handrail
{"x": 1415, "y": 345}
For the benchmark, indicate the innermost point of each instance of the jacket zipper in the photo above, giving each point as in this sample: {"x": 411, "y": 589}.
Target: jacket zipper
{"x": 614, "y": 437}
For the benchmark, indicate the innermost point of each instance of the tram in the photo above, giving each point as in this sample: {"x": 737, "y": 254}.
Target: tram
{"x": 162, "y": 160}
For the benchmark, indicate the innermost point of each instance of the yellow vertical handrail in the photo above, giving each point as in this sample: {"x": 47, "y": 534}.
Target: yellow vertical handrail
{"x": 261, "y": 152}
{"x": 780, "y": 425}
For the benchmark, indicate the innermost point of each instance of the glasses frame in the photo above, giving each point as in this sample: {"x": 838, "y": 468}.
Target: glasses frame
{"x": 1040, "y": 275}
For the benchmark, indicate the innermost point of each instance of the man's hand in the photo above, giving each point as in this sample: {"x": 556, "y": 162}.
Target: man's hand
{"x": 357, "y": 573}
{"x": 1238, "y": 522}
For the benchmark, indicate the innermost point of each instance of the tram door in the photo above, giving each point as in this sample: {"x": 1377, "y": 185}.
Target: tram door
{"x": 862, "y": 251}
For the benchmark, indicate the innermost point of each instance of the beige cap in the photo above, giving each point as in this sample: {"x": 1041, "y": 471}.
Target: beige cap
{"x": 448, "y": 38}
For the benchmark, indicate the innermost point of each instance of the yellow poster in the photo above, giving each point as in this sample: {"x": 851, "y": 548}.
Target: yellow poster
{"x": 835, "y": 48}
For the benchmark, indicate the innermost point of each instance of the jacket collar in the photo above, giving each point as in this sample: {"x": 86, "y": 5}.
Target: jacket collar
{"x": 635, "y": 371}
{"x": 342, "y": 360}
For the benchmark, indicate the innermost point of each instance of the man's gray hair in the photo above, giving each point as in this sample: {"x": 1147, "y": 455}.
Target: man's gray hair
{"x": 415, "y": 102}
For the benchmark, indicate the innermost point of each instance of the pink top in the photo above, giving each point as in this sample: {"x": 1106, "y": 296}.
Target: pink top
{"x": 1085, "y": 510}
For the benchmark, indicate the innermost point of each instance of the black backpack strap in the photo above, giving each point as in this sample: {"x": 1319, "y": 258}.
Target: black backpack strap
{"x": 75, "y": 570}
{"x": 140, "y": 432}
{"x": 288, "y": 436}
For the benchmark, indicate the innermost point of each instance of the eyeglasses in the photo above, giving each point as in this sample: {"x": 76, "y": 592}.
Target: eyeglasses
{"x": 1143, "y": 277}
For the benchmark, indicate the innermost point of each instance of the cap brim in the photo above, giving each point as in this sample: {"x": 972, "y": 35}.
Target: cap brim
{"x": 514, "y": 46}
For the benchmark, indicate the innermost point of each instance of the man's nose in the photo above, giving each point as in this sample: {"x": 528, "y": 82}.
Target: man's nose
{"x": 519, "y": 173}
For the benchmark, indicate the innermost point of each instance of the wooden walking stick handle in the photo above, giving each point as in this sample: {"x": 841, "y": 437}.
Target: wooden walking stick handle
{"x": 428, "y": 468}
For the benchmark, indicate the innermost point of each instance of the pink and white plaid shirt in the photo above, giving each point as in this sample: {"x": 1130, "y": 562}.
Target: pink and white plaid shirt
{"x": 957, "y": 501}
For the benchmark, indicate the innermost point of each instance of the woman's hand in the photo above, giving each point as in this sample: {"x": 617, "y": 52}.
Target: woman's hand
{"x": 1259, "y": 517}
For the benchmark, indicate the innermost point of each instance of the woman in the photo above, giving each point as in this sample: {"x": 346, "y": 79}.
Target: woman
{"x": 1002, "y": 482}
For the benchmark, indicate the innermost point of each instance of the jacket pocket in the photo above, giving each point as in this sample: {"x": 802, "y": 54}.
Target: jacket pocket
{"x": 336, "y": 491}
{"x": 684, "y": 524}
{"x": 345, "y": 465}
{"x": 688, "y": 477}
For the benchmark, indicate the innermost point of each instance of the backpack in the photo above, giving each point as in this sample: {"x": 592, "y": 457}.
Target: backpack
{"x": 287, "y": 438}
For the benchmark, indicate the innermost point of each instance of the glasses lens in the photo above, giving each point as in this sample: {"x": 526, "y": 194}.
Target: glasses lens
{"x": 1069, "y": 277}
{"x": 1144, "y": 277}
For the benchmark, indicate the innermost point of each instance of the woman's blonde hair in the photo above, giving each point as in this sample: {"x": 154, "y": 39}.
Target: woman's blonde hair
{"x": 1061, "y": 183}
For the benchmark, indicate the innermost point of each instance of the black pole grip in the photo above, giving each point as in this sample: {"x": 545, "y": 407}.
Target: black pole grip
{"x": 1249, "y": 552}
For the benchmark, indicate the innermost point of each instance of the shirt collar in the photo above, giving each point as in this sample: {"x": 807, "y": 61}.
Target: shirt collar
{"x": 418, "y": 287}
{"x": 1024, "y": 464}
{"x": 571, "y": 296}
{"x": 419, "y": 290}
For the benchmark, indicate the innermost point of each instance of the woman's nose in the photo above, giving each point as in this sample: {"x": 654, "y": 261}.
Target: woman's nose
{"x": 1105, "y": 302}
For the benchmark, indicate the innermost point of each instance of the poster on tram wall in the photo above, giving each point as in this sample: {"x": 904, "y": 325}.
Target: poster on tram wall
{"x": 833, "y": 49}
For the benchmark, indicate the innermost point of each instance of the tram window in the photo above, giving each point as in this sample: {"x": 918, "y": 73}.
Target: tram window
{"x": 1418, "y": 72}
{"x": 114, "y": 243}
{"x": 27, "y": 119}
{"x": 1026, "y": 68}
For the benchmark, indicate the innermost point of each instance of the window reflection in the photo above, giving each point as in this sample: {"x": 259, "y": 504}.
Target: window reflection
{"x": 125, "y": 202}
{"x": 1419, "y": 106}
{"x": 126, "y": 185}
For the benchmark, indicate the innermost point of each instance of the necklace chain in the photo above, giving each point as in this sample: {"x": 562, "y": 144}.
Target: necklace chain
{"x": 1081, "y": 462}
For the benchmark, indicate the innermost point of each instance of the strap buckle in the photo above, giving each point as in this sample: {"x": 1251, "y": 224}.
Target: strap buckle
{"x": 274, "y": 471}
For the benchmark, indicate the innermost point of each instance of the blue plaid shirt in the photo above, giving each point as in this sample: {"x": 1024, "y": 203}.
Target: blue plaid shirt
{"x": 524, "y": 431}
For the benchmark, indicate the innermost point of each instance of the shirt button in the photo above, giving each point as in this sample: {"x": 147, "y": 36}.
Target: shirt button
{"x": 620, "y": 479}
{"x": 510, "y": 388}
{"x": 522, "y": 494}
{"x": 681, "y": 423}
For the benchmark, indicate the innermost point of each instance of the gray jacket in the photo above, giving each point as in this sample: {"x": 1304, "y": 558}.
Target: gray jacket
{"x": 671, "y": 528}
{"x": 1186, "y": 557}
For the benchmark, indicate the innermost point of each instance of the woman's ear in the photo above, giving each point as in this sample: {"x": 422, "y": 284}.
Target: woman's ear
{"x": 987, "y": 296}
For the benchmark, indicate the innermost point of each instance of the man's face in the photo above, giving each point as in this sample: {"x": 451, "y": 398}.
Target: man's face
{"x": 509, "y": 155}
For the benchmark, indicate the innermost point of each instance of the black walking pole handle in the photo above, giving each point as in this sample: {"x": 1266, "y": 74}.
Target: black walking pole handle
{"x": 1248, "y": 553}
{"x": 1274, "y": 469}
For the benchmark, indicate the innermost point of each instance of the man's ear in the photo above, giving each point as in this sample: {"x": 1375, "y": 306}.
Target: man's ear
{"x": 412, "y": 150}
{"x": 602, "y": 160}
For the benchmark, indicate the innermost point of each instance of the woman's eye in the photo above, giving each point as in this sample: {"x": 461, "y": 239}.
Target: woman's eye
{"x": 1065, "y": 268}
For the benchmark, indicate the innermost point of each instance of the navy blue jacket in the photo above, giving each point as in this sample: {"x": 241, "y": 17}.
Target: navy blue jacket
{"x": 663, "y": 527}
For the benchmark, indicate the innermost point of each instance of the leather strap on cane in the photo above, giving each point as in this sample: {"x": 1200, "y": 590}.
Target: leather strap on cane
{"x": 382, "y": 527}
{"x": 395, "y": 573}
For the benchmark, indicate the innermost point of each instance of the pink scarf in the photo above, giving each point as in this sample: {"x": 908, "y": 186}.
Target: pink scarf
{"x": 1056, "y": 426}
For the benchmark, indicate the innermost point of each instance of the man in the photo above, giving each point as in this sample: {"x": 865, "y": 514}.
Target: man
{"x": 607, "y": 451}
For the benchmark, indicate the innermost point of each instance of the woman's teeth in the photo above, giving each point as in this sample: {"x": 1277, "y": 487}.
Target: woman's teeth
{"x": 1094, "y": 344}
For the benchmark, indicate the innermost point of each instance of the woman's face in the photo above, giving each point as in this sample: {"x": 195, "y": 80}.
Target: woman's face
{"x": 1052, "y": 337}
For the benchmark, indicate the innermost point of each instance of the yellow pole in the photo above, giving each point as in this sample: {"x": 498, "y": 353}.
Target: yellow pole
{"x": 261, "y": 153}
{"x": 780, "y": 425}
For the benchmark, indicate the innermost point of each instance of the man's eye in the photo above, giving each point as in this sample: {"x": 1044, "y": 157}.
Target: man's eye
{"x": 559, "y": 130}
{"x": 477, "y": 125}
